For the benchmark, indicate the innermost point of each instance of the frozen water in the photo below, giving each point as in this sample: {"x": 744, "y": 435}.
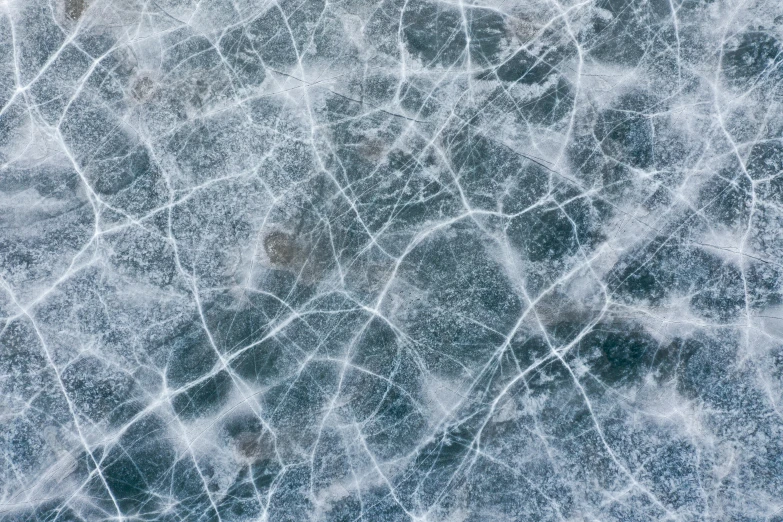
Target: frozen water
{"x": 395, "y": 260}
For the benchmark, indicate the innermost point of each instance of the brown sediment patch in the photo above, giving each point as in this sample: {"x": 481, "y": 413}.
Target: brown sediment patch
{"x": 372, "y": 149}
{"x": 521, "y": 28}
{"x": 142, "y": 88}
{"x": 558, "y": 307}
{"x": 75, "y": 8}
{"x": 254, "y": 446}
{"x": 202, "y": 92}
{"x": 280, "y": 248}
{"x": 305, "y": 256}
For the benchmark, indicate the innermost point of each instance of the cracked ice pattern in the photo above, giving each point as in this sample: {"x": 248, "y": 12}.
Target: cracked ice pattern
{"x": 391, "y": 260}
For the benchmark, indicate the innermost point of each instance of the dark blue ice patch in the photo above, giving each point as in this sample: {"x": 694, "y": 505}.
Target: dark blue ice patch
{"x": 139, "y": 463}
{"x": 749, "y": 56}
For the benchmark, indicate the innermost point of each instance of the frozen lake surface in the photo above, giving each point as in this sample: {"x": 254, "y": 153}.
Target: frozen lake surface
{"x": 397, "y": 260}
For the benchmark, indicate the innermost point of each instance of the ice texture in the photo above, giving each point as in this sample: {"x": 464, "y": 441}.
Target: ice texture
{"x": 391, "y": 260}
